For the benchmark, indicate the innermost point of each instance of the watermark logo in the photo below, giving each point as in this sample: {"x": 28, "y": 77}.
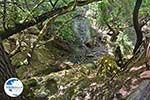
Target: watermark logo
{"x": 13, "y": 87}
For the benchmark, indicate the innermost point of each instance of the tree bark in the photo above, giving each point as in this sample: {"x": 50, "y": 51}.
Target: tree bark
{"x": 137, "y": 26}
{"x": 142, "y": 92}
{"x": 6, "y": 71}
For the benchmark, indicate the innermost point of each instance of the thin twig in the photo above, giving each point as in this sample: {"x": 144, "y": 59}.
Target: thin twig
{"x": 4, "y": 14}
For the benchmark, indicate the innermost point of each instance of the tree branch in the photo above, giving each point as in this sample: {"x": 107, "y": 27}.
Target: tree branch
{"x": 142, "y": 92}
{"x": 4, "y": 14}
{"x": 136, "y": 24}
{"x": 53, "y": 5}
{"x": 41, "y": 18}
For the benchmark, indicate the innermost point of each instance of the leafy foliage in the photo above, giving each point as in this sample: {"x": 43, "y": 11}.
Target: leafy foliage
{"x": 51, "y": 61}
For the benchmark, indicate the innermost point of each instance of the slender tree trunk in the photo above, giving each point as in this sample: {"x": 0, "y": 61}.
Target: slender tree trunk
{"x": 6, "y": 71}
{"x": 137, "y": 26}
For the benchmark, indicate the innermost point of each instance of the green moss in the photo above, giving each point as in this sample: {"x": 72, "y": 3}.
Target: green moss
{"x": 107, "y": 65}
{"x": 31, "y": 83}
{"x": 51, "y": 85}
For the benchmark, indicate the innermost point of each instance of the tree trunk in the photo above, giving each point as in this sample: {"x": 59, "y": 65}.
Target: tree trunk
{"x": 6, "y": 71}
{"x": 142, "y": 92}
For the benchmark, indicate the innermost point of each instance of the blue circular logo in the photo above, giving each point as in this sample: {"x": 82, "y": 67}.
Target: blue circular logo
{"x": 13, "y": 87}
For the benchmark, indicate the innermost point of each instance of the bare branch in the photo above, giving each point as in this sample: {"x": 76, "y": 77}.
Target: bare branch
{"x": 4, "y": 14}
{"x": 145, "y": 20}
{"x": 41, "y": 18}
{"x": 53, "y": 4}
{"x": 136, "y": 24}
